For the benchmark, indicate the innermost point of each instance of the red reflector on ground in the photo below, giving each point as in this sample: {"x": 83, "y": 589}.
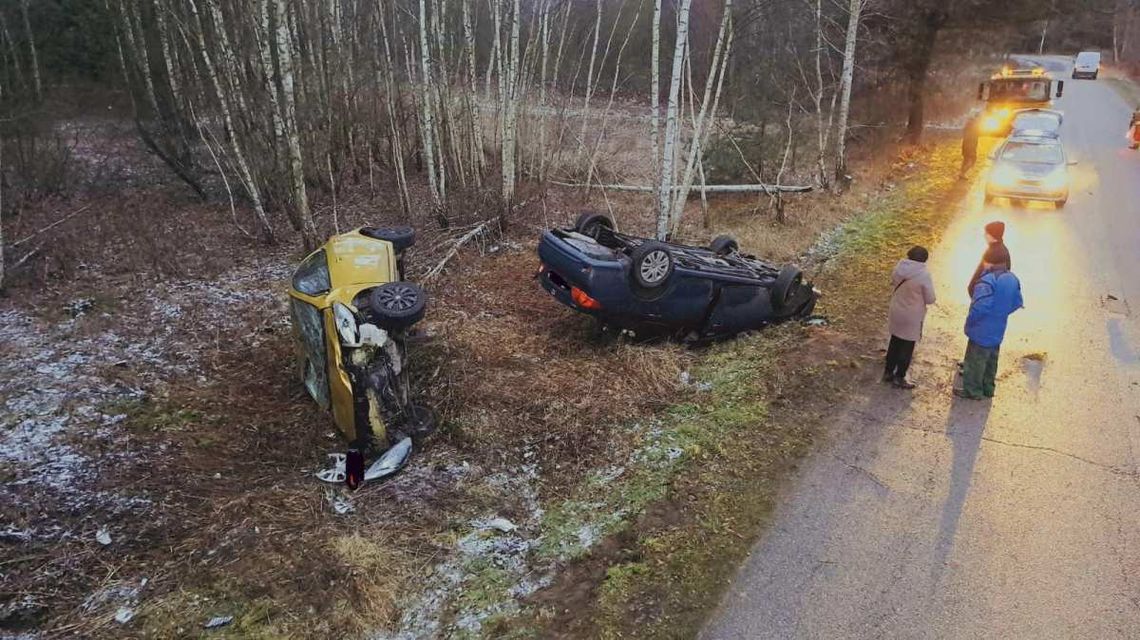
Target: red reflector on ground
{"x": 582, "y": 300}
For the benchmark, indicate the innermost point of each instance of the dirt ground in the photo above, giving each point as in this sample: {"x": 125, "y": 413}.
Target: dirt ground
{"x": 157, "y": 453}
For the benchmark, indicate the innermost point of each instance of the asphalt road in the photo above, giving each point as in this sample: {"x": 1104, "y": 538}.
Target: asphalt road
{"x": 928, "y": 516}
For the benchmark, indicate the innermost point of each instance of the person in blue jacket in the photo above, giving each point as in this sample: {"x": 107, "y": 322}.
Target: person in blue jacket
{"x": 996, "y": 296}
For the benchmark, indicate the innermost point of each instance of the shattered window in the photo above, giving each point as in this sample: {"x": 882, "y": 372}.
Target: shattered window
{"x": 308, "y": 324}
{"x": 312, "y": 277}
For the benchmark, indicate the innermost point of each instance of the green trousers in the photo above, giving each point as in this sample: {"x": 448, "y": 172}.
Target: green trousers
{"x": 979, "y": 370}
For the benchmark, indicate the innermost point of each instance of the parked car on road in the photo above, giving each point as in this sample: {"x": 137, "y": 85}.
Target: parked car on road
{"x": 1030, "y": 168}
{"x": 665, "y": 289}
{"x": 350, "y": 311}
{"x": 1086, "y": 64}
{"x": 1043, "y": 123}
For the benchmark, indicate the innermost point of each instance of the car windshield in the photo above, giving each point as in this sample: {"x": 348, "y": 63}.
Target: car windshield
{"x": 312, "y": 277}
{"x": 1027, "y": 90}
{"x": 1031, "y": 152}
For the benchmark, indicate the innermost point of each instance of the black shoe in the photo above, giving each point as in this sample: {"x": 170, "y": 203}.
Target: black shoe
{"x": 902, "y": 383}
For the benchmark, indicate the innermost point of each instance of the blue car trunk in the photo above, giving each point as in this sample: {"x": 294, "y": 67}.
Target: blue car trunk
{"x": 603, "y": 275}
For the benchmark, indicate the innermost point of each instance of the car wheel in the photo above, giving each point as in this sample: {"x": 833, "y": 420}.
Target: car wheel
{"x": 397, "y": 305}
{"x": 785, "y": 287}
{"x": 1095, "y": 75}
{"x": 724, "y": 245}
{"x": 652, "y": 264}
{"x": 402, "y": 238}
{"x": 590, "y": 223}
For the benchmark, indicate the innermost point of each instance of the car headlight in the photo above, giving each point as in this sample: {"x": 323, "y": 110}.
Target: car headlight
{"x": 991, "y": 123}
{"x": 1003, "y": 175}
{"x": 1057, "y": 180}
{"x": 346, "y": 326}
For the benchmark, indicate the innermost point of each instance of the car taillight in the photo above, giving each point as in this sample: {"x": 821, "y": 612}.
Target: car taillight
{"x": 582, "y": 300}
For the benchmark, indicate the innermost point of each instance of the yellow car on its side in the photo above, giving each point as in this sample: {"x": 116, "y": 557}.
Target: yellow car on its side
{"x": 350, "y": 310}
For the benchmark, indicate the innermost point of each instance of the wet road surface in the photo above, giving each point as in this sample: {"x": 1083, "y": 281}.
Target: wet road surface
{"x": 928, "y": 516}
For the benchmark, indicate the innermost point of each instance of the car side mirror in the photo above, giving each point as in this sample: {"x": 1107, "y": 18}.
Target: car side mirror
{"x": 1060, "y": 88}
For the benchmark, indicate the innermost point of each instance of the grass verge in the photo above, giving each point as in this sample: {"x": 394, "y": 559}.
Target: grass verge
{"x": 766, "y": 399}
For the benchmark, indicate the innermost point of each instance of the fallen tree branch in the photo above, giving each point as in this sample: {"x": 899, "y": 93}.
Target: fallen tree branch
{"x": 50, "y": 226}
{"x": 712, "y": 188}
{"x": 27, "y": 256}
{"x": 456, "y": 245}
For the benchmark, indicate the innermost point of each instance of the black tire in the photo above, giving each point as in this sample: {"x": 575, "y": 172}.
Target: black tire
{"x": 397, "y": 305}
{"x": 590, "y": 223}
{"x": 1095, "y": 74}
{"x": 402, "y": 238}
{"x": 652, "y": 264}
{"x": 785, "y": 287}
{"x": 724, "y": 245}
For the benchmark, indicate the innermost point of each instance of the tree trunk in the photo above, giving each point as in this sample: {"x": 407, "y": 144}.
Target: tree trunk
{"x": 37, "y": 85}
{"x": 300, "y": 216}
{"x": 227, "y": 120}
{"x": 427, "y": 114}
{"x": 655, "y": 90}
{"x": 846, "y": 79}
{"x": 671, "y": 124}
{"x": 917, "y": 70}
{"x": 717, "y": 69}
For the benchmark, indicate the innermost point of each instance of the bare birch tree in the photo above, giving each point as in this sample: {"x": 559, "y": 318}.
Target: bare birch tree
{"x": 672, "y": 129}
{"x": 845, "y": 82}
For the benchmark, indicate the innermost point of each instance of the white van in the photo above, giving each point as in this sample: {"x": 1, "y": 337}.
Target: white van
{"x": 1086, "y": 64}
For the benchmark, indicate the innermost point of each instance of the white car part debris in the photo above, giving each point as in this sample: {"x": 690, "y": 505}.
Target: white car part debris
{"x": 372, "y": 335}
{"x": 340, "y": 504}
{"x": 124, "y": 615}
{"x": 392, "y": 461}
{"x": 219, "y": 621}
{"x": 103, "y": 536}
{"x": 336, "y": 473}
{"x": 501, "y": 524}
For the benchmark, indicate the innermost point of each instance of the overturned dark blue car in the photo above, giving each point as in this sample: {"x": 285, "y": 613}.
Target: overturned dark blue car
{"x": 664, "y": 289}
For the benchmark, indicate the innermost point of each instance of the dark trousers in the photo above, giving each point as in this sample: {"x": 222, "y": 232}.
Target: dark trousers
{"x": 899, "y": 353}
{"x": 979, "y": 370}
{"x": 968, "y": 161}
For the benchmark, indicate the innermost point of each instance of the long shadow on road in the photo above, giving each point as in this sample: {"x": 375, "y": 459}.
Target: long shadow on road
{"x": 965, "y": 426}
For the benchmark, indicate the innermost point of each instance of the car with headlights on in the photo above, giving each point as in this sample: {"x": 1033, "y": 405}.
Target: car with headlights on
{"x": 1010, "y": 91}
{"x": 1029, "y": 167}
{"x": 351, "y": 311}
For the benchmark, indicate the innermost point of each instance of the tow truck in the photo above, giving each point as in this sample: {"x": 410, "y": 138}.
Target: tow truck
{"x": 1012, "y": 90}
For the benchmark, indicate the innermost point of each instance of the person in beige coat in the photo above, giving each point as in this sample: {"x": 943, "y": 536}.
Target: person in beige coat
{"x": 913, "y": 293}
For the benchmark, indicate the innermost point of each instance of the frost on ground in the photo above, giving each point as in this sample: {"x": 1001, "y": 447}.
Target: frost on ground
{"x": 493, "y": 567}
{"x": 62, "y": 384}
